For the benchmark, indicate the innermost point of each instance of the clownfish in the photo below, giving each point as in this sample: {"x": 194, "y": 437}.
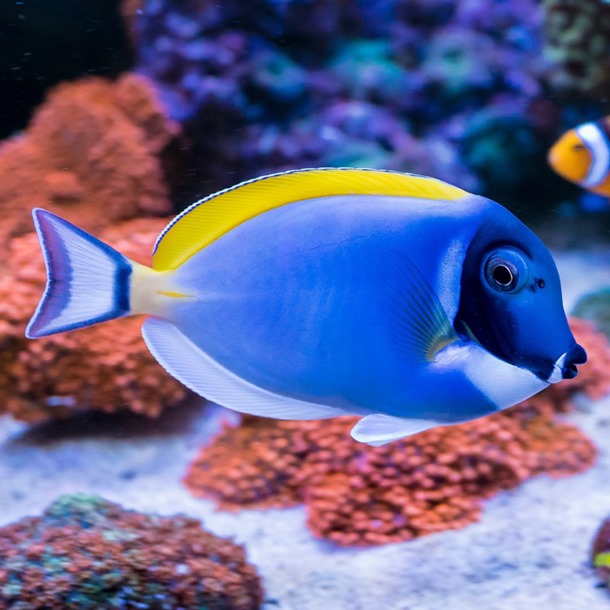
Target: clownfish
{"x": 324, "y": 292}
{"x": 582, "y": 155}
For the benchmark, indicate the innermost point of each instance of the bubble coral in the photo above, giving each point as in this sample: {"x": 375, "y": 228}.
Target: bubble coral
{"x": 360, "y": 495}
{"x": 105, "y": 367}
{"x": 85, "y": 552}
{"x": 92, "y": 148}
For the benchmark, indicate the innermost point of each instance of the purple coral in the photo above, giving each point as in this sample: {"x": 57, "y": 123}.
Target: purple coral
{"x": 274, "y": 84}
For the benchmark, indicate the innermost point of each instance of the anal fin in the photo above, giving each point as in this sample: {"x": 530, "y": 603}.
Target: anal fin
{"x": 202, "y": 374}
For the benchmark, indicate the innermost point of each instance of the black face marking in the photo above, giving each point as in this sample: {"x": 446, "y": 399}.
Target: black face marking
{"x": 524, "y": 325}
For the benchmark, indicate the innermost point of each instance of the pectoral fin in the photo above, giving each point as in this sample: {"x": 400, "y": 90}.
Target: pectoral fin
{"x": 380, "y": 429}
{"x": 416, "y": 317}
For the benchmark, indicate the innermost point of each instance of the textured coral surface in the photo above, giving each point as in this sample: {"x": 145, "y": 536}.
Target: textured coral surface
{"x": 359, "y": 495}
{"x": 91, "y": 151}
{"x": 595, "y": 306}
{"x": 105, "y": 367}
{"x": 85, "y": 552}
{"x": 457, "y": 90}
{"x": 600, "y": 552}
{"x": 578, "y": 40}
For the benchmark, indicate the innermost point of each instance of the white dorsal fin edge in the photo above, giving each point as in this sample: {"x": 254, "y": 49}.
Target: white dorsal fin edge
{"x": 199, "y": 372}
{"x": 380, "y": 429}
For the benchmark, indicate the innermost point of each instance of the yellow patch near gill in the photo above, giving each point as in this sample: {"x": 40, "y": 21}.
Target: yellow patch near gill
{"x": 210, "y": 218}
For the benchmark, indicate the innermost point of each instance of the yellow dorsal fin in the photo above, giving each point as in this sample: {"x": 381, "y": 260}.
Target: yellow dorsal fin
{"x": 208, "y": 219}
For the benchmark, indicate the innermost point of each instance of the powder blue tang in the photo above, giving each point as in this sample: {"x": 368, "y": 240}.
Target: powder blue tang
{"x": 412, "y": 311}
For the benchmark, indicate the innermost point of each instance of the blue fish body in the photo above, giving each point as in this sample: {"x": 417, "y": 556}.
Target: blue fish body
{"x": 411, "y": 311}
{"x": 300, "y": 306}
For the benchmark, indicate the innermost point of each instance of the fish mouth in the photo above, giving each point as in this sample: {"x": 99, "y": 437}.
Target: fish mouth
{"x": 565, "y": 366}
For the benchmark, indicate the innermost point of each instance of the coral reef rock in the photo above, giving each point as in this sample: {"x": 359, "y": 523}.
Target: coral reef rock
{"x": 91, "y": 149}
{"x": 595, "y": 306}
{"x": 92, "y": 153}
{"x": 264, "y": 86}
{"x": 578, "y": 41}
{"x": 85, "y": 552}
{"x": 360, "y": 495}
{"x": 600, "y": 552}
{"x": 106, "y": 367}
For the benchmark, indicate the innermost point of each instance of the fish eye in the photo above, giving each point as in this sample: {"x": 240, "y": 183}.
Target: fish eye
{"x": 502, "y": 274}
{"x": 578, "y": 147}
{"x": 506, "y": 270}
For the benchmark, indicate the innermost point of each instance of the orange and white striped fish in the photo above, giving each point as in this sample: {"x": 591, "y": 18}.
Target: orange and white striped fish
{"x": 582, "y": 155}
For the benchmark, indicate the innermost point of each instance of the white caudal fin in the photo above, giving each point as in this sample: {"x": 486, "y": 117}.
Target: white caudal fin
{"x": 87, "y": 281}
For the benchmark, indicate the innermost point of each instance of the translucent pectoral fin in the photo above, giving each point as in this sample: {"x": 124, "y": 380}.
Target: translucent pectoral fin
{"x": 199, "y": 372}
{"x": 380, "y": 429}
{"x": 418, "y": 321}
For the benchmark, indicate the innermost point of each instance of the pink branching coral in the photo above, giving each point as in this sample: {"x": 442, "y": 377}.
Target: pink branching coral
{"x": 85, "y": 552}
{"x": 105, "y": 367}
{"x": 91, "y": 150}
{"x": 361, "y": 495}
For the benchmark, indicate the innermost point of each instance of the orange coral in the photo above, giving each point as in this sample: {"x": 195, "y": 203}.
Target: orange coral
{"x": 106, "y": 367}
{"x": 92, "y": 149}
{"x": 360, "y": 495}
{"x": 91, "y": 153}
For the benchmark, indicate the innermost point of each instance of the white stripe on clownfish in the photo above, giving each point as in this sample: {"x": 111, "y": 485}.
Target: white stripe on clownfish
{"x": 596, "y": 141}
